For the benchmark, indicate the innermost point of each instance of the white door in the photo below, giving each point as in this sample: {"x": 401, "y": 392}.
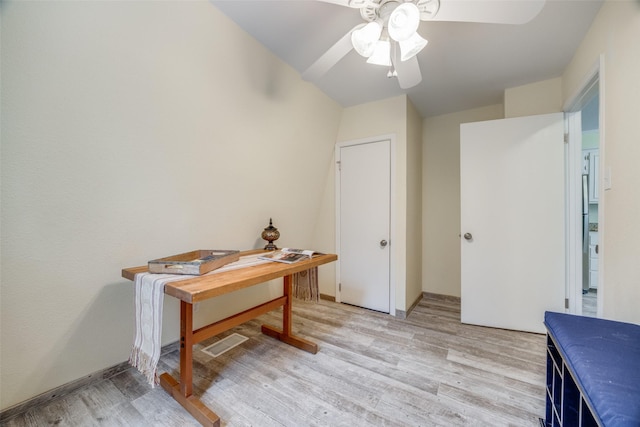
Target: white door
{"x": 364, "y": 187}
{"x": 512, "y": 221}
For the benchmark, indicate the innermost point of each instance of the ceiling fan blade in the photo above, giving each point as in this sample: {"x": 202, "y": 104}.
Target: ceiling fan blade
{"x": 409, "y": 73}
{"x": 489, "y": 11}
{"x": 331, "y": 56}
{"x": 356, "y": 4}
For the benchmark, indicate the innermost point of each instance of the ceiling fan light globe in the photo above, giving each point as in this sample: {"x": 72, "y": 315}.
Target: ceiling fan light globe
{"x": 364, "y": 40}
{"x": 404, "y": 21}
{"x": 381, "y": 54}
{"x": 410, "y": 47}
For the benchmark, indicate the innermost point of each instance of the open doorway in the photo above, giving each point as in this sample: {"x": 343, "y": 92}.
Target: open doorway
{"x": 590, "y": 201}
{"x": 584, "y": 200}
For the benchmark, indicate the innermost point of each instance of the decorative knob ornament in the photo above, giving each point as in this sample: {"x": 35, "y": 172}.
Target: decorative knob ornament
{"x": 270, "y": 234}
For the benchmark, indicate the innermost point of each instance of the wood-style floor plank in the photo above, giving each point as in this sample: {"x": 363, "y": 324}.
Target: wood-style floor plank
{"x": 371, "y": 370}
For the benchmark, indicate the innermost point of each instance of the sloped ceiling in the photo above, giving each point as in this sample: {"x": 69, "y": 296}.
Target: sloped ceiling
{"x": 465, "y": 65}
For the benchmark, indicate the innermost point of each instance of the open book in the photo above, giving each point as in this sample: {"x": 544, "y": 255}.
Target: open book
{"x": 288, "y": 255}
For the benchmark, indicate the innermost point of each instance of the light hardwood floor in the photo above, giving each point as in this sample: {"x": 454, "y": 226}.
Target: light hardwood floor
{"x": 371, "y": 370}
{"x": 590, "y": 303}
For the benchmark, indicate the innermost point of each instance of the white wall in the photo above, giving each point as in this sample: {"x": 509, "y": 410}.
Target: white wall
{"x": 614, "y": 34}
{"x": 324, "y": 234}
{"x": 441, "y": 197}
{"x": 534, "y": 98}
{"x": 131, "y": 131}
{"x": 414, "y": 206}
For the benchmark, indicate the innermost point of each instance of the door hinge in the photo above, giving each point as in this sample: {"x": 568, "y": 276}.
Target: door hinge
{"x": 566, "y": 138}
{"x": 339, "y": 163}
{"x": 566, "y": 303}
{"x": 340, "y": 287}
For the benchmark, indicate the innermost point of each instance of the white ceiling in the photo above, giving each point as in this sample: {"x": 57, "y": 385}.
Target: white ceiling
{"x": 465, "y": 65}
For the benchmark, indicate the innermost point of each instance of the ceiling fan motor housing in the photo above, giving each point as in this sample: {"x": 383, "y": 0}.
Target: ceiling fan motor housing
{"x": 382, "y": 9}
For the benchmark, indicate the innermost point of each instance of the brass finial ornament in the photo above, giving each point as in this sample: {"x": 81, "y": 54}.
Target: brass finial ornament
{"x": 270, "y": 234}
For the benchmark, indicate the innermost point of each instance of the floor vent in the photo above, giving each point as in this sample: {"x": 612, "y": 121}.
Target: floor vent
{"x": 224, "y": 345}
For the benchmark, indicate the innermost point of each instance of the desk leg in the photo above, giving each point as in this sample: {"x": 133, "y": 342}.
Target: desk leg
{"x": 285, "y": 335}
{"x": 186, "y": 349}
{"x": 286, "y": 309}
{"x": 182, "y": 391}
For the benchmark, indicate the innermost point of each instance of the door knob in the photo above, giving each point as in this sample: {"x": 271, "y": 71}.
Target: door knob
{"x": 383, "y": 243}
{"x": 468, "y": 236}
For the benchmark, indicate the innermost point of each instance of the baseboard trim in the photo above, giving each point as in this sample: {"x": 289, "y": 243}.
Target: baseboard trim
{"x": 440, "y": 297}
{"x": 328, "y": 297}
{"x": 400, "y": 314}
{"x": 72, "y": 386}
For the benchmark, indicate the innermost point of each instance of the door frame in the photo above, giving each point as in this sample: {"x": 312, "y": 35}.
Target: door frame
{"x": 392, "y": 212}
{"x": 573, "y": 150}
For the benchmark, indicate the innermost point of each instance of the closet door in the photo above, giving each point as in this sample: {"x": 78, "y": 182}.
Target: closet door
{"x": 364, "y": 186}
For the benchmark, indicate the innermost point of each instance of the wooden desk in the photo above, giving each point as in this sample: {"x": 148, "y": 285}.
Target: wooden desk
{"x": 195, "y": 289}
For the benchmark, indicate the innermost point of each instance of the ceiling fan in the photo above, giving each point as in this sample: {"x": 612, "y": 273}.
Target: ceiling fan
{"x": 389, "y": 34}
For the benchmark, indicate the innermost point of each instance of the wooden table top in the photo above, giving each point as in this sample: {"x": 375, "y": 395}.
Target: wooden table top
{"x": 199, "y": 288}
